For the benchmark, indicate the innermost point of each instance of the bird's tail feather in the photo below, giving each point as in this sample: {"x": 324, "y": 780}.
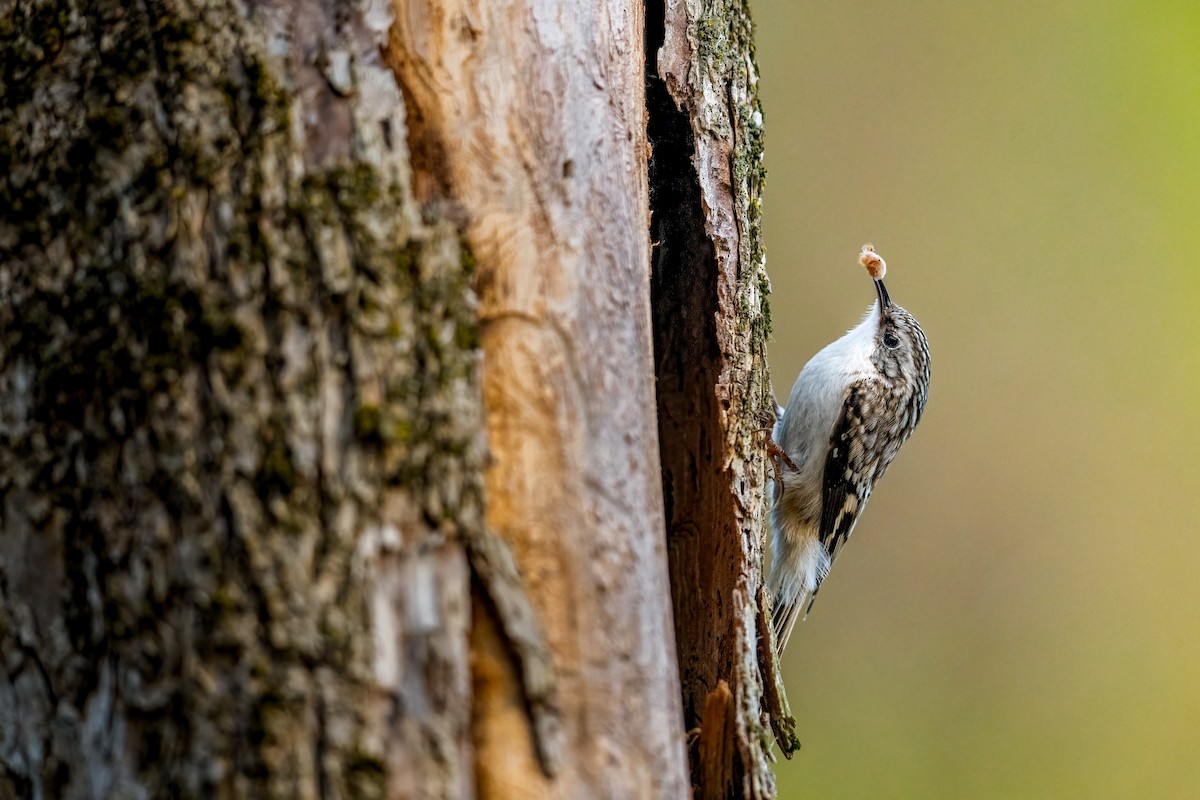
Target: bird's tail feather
{"x": 785, "y": 616}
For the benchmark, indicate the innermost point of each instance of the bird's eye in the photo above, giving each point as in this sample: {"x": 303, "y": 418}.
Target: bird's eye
{"x": 891, "y": 341}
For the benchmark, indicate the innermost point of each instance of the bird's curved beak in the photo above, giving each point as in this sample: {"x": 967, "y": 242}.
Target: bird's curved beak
{"x": 881, "y": 290}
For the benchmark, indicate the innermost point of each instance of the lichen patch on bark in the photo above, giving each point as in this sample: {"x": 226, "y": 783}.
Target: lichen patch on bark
{"x": 239, "y": 412}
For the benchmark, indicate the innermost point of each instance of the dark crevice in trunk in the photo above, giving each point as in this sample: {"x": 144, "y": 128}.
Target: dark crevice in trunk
{"x": 684, "y": 305}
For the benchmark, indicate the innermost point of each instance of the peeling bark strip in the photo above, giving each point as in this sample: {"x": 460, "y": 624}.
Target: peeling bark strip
{"x": 532, "y": 121}
{"x": 711, "y": 327}
{"x": 239, "y": 412}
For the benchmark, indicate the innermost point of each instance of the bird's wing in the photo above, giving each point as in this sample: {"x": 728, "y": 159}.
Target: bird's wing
{"x": 849, "y": 470}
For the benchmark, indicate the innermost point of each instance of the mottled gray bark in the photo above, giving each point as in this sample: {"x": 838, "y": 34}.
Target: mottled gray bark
{"x": 239, "y": 412}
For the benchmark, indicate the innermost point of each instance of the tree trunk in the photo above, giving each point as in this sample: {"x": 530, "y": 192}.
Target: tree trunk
{"x": 714, "y": 392}
{"x": 240, "y": 447}
{"x": 530, "y": 117}
{"x": 267, "y": 527}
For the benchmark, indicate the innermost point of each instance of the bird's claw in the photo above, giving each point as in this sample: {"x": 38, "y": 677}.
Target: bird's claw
{"x": 778, "y": 454}
{"x": 779, "y": 460}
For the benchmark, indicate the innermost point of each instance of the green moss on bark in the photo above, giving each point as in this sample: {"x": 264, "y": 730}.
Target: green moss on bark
{"x": 225, "y": 352}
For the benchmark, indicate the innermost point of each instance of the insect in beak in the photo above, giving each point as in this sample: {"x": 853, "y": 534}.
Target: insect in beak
{"x": 876, "y": 268}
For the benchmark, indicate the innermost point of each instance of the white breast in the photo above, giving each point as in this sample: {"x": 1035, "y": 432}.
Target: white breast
{"x": 799, "y": 561}
{"x": 808, "y": 420}
{"x": 816, "y": 400}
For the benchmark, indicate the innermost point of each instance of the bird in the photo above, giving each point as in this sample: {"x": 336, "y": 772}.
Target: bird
{"x": 851, "y": 408}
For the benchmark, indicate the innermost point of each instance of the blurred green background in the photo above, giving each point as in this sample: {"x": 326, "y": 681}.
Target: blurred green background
{"x": 1018, "y": 612}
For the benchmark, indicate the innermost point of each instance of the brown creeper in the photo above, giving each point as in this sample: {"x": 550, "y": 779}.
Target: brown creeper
{"x": 851, "y": 408}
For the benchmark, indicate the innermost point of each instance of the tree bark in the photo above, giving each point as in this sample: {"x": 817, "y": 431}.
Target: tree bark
{"x": 240, "y": 446}
{"x": 531, "y": 118}
{"x": 329, "y": 452}
{"x": 712, "y": 323}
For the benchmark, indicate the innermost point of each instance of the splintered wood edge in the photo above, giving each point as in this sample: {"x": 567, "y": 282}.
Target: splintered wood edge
{"x": 718, "y": 735}
{"x": 494, "y": 566}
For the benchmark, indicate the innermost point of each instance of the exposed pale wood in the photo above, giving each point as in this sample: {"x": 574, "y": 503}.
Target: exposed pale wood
{"x": 529, "y": 117}
{"x": 506, "y": 747}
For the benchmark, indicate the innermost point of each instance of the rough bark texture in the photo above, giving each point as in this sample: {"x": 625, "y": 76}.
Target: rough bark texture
{"x": 532, "y": 122}
{"x": 244, "y": 548}
{"x": 239, "y": 412}
{"x": 714, "y": 395}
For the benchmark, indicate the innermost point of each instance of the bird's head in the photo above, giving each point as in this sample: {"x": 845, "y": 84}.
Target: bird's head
{"x": 901, "y": 351}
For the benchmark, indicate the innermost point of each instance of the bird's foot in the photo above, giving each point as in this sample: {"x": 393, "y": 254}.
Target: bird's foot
{"x": 779, "y": 460}
{"x": 779, "y": 456}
